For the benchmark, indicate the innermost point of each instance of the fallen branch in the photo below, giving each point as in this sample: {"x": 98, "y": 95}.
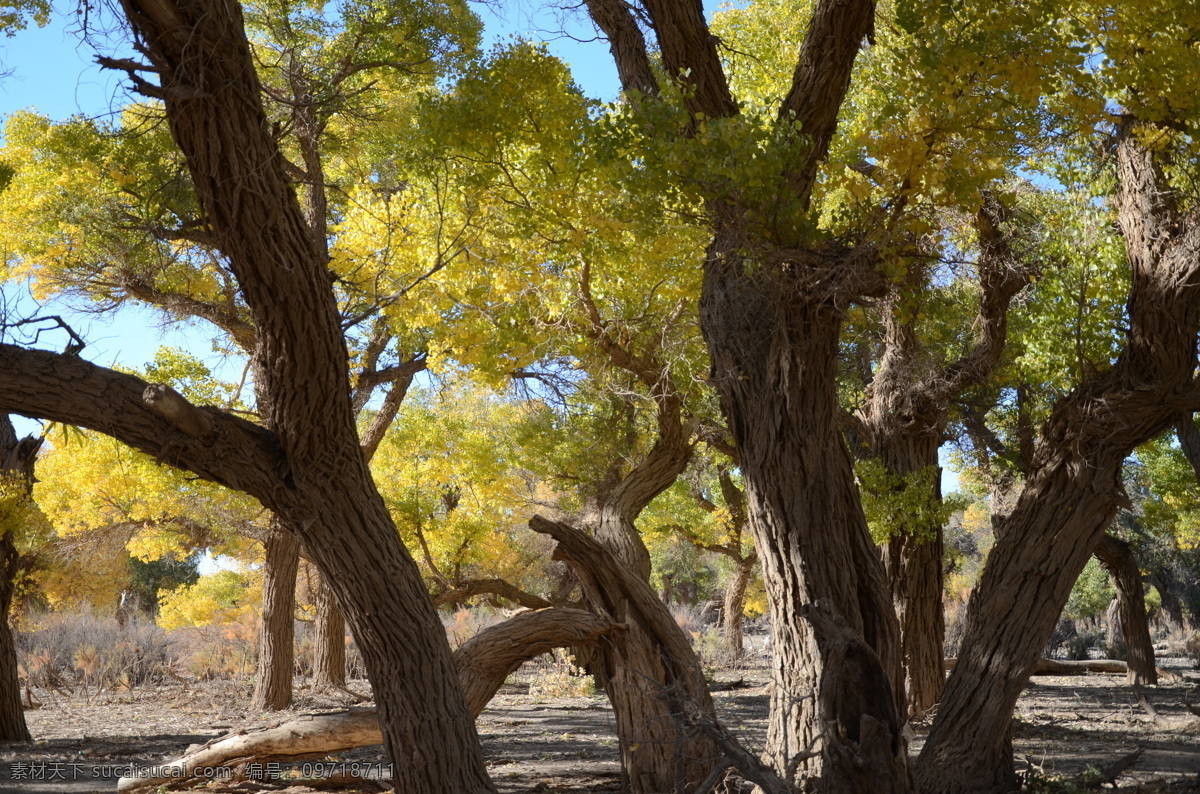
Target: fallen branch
{"x": 1046, "y": 666}
{"x": 483, "y": 663}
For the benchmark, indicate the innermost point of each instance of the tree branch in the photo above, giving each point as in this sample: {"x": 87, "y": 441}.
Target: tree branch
{"x": 627, "y": 45}
{"x": 689, "y": 51}
{"x": 822, "y": 78}
{"x": 67, "y": 389}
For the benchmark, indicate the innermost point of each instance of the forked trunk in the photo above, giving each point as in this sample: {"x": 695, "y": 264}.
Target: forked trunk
{"x": 329, "y": 642}
{"x": 1117, "y": 558}
{"x": 276, "y": 644}
{"x": 658, "y": 752}
{"x": 774, "y": 366}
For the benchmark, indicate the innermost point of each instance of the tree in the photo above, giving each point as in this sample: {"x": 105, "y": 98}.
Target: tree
{"x": 1074, "y": 486}
{"x": 305, "y": 463}
{"x": 17, "y": 459}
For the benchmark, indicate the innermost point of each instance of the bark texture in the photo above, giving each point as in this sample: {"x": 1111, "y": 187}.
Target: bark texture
{"x": 276, "y": 643}
{"x": 771, "y": 310}
{"x": 329, "y": 642}
{"x": 17, "y": 460}
{"x": 1117, "y": 558}
{"x": 903, "y": 421}
{"x": 647, "y": 678}
{"x": 315, "y": 478}
{"x": 1074, "y": 485}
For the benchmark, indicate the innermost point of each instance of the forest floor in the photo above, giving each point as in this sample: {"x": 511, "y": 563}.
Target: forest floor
{"x": 1067, "y": 729}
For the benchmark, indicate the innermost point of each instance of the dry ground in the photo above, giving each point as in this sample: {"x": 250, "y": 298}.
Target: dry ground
{"x": 1065, "y": 727}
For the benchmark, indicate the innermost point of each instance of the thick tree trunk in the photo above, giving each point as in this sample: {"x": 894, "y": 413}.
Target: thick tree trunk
{"x": 658, "y": 753}
{"x": 735, "y": 606}
{"x": 276, "y": 644}
{"x": 915, "y": 569}
{"x": 322, "y": 487}
{"x": 16, "y": 482}
{"x": 1074, "y": 486}
{"x": 1117, "y": 558}
{"x": 648, "y": 674}
{"x": 774, "y": 366}
{"x": 329, "y": 642}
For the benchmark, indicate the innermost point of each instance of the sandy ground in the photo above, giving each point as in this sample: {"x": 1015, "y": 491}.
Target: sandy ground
{"x": 1065, "y": 726}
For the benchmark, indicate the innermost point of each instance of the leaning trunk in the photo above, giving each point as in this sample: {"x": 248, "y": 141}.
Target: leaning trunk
{"x": 1117, "y": 558}
{"x": 1074, "y": 486}
{"x": 774, "y": 365}
{"x": 658, "y": 753}
{"x": 276, "y": 644}
{"x": 329, "y": 644}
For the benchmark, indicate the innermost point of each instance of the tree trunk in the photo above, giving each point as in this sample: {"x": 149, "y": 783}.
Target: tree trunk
{"x": 1074, "y": 486}
{"x": 329, "y": 644}
{"x": 915, "y": 568}
{"x": 647, "y": 674}
{"x": 322, "y": 487}
{"x": 16, "y": 483}
{"x": 658, "y": 753}
{"x": 774, "y": 365}
{"x": 1117, "y": 558}
{"x": 913, "y": 556}
{"x": 276, "y": 644}
{"x": 735, "y": 606}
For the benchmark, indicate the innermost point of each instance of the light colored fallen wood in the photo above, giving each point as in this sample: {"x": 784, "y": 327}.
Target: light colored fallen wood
{"x": 309, "y": 734}
{"x": 1080, "y": 667}
{"x": 483, "y": 663}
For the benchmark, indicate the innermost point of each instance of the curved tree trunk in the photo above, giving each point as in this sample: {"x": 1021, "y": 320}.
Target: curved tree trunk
{"x": 322, "y": 487}
{"x": 16, "y": 482}
{"x": 276, "y": 644}
{"x": 1117, "y": 558}
{"x": 650, "y": 674}
{"x": 1074, "y": 486}
{"x": 776, "y": 377}
{"x": 658, "y": 751}
{"x": 329, "y": 642}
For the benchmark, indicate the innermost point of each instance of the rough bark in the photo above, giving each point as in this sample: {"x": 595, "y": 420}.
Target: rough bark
{"x": 650, "y": 677}
{"x": 1074, "y": 485}
{"x": 774, "y": 365}
{"x": 771, "y": 317}
{"x": 329, "y": 642}
{"x": 1117, "y": 558}
{"x": 319, "y": 483}
{"x": 483, "y": 663}
{"x": 276, "y": 645}
{"x": 16, "y": 481}
{"x": 904, "y": 419}
{"x": 735, "y": 606}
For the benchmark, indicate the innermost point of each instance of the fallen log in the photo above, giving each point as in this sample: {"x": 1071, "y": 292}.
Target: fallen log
{"x": 483, "y": 663}
{"x": 1046, "y": 666}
